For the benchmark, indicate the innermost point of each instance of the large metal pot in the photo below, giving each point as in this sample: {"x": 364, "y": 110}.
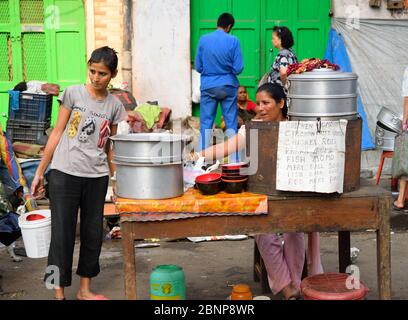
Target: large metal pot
{"x": 157, "y": 148}
{"x": 323, "y": 93}
{"x": 149, "y": 181}
{"x": 390, "y": 119}
{"x": 384, "y": 138}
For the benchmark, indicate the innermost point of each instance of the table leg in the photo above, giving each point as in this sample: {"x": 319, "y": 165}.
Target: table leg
{"x": 344, "y": 251}
{"x": 384, "y": 250}
{"x": 128, "y": 244}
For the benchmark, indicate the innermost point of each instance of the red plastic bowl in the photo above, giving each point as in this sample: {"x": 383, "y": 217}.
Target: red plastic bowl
{"x": 34, "y": 216}
{"x": 331, "y": 286}
{"x": 234, "y": 166}
{"x": 233, "y": 177}
{"x": 208, "y": 177}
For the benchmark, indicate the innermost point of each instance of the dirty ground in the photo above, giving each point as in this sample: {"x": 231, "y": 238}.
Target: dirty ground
{"x": 226, "y": 263}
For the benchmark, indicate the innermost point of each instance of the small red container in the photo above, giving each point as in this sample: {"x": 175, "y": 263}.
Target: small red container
{"x": 332, "y": 286}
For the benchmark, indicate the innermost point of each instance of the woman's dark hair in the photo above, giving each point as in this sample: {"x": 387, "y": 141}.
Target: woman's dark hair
{"x": 106, "y": 55}
{"x": 276, "y": 92}
{"x": 225, "y": 20}
{"x": 286, "y": 37}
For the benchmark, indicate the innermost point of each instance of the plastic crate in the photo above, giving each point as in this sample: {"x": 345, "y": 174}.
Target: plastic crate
{"x": 32, "y": 107}
{"x": 27, "y": 131}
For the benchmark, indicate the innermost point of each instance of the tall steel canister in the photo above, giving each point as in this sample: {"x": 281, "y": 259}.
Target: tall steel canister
{"x": 167, "y": 282}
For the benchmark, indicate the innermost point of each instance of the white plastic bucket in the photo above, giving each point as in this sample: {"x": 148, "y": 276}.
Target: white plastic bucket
{"x": 36, "y": 233}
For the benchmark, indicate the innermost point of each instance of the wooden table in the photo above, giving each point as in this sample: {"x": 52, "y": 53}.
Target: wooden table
{"x": 366, "y": 209}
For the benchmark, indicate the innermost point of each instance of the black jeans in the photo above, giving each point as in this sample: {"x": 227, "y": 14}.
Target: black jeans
{"x": 68, "y": 194}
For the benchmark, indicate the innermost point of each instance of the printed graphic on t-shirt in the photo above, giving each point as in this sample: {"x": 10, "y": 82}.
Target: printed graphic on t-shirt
{"x": 104, "y": 134}
{"x": 88, "y": 129}
{"x": 74, "y": 124}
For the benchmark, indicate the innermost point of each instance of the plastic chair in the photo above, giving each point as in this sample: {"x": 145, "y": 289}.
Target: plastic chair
{"x": 386, "y": 155}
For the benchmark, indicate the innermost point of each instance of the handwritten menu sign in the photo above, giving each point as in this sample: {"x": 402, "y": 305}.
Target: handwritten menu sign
{"x": 311, "y": 156}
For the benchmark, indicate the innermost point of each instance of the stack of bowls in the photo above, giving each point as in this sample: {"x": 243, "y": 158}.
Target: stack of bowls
{"x": 209, "y": 183}
{"x": 388, "y": 126}
{"x": 234, "y": 177}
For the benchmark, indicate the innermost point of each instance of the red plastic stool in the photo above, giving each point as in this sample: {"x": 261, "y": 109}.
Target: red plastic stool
{"x": 385, "y": 155}
{"x": 332, "y": 286}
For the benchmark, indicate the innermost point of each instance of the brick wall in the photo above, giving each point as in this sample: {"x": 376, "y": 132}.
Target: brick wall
{"x": 107, "y": 28}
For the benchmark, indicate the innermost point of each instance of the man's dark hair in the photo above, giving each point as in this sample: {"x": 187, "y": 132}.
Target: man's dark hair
{"x": 107, "y": 56}
{"x": 286, "y": 37}
{"x": 225, "y": 20}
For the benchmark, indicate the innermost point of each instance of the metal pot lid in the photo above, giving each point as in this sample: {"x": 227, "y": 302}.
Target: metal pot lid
{"x": 323, "y": 74}
{"x": 151, "y": 137}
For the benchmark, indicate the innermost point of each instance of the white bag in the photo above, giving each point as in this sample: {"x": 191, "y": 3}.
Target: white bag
{"x": 195, "y": 86}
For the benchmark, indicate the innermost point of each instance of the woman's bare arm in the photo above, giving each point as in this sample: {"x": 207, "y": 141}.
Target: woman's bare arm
{"x": 63, "y": 118}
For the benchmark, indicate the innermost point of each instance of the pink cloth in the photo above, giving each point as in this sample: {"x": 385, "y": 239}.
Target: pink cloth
{"x": 284, "y": 262}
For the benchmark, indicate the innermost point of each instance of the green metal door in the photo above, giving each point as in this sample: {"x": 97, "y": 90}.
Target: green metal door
{"x": 308, "y": 19}
{"x": 41, "y": 40}
{"x": 204, "y": 15}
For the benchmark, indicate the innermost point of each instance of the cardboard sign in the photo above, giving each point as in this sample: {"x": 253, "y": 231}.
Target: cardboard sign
{"x": 311, "y": 156}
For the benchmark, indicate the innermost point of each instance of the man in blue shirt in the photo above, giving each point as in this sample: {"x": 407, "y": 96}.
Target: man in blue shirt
{"x": 219, "y": 61}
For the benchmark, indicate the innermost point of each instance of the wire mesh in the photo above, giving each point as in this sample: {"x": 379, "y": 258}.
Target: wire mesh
{"x": 32, "y": 11}
{"x": 34, "y": 56}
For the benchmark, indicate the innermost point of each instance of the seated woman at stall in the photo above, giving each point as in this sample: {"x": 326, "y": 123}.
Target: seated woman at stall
{"x": 284, "y": 263}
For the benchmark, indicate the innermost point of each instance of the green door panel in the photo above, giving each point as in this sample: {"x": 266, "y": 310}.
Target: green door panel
{"x": 34, "y": 51}
{"x": 68, "y": 41}
{"x": 204, "y": 17}
{"x": 247, "y": 29}
{"x": 11, "y": 57}
{"x": 41, "y": 40}
{"x": 308, "y": 20}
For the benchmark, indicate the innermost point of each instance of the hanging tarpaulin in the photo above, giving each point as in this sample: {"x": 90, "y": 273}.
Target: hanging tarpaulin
{"x": 378, "y": 53}
{"x": 336, "y": 52}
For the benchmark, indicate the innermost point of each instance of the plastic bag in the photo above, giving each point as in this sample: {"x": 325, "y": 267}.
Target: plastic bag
{"x": 400, "y": 159}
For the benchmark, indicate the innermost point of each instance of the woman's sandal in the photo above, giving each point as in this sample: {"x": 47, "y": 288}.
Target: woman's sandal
{"x": 396, "y": 208}
{"x": 55, "y": 298}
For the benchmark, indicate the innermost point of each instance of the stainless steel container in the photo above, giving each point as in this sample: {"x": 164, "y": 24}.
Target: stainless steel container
{"x": 149, "y": 181}
{"x": 384, "y": 138}
{"x": 156, "y": 148}
{"x": 324, "y": 94}
{"x": 390, "y": 119}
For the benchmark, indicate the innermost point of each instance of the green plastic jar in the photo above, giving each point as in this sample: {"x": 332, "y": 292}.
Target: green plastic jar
{"x": 167, "y": 282}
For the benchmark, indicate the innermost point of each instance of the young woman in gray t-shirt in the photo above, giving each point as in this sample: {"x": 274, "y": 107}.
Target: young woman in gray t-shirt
{"x": 79, "y": 152}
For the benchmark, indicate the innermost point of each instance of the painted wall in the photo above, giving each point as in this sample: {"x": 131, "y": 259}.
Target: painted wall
{"x": 104, "y": 27}
{"x": 342, "y": 9}
{"x": 161, "y": 54}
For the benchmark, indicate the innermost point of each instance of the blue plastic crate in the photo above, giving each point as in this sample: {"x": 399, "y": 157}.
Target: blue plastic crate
{"x": 32, "y": 107}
